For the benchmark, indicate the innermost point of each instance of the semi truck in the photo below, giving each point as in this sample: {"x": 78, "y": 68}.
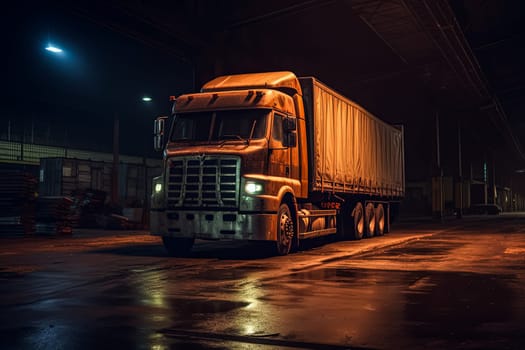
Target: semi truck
{"x": 273, "y": 157}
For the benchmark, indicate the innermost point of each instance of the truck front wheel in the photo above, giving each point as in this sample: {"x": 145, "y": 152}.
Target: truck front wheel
{"x": 285, "y": 230}
{"x": 177, "y": 246}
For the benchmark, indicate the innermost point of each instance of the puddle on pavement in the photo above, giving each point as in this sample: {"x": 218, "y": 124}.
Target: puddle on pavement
{"x": 204, "y": 306}
{"x": 470, "y": 298}
{"x": 328, "y": 274}
{"x": 448, "y": 306}
{"x": 225, "y": 274}
{"x": 423, "y": 248}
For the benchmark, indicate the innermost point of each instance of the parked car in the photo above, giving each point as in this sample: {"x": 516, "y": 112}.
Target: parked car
{"x": 491, "y": 209}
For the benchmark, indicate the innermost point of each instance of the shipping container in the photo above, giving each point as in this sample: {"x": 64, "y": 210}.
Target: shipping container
{"x": 66, "y": 176}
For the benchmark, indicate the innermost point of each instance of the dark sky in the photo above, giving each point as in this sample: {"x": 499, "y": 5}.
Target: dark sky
{"x": 74, "y": 97}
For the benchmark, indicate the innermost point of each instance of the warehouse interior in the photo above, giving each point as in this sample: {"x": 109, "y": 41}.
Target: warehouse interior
{"x": 450, "y": 72}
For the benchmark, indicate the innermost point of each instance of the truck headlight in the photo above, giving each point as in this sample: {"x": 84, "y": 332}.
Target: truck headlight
{"x": 157, "y": 195}
{"x": 253, "y": 187}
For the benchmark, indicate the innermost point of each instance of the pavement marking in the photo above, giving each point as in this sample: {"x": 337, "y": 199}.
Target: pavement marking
{"x": 348, "y": 250}
{"x": 422, "y": 283}
{"x": 514, "y": 251}
{"x": 373, "y": 246}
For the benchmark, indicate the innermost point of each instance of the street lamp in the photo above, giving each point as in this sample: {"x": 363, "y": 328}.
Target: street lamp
{"x": 147, "y": 99}
{"x": 54, "y": 49}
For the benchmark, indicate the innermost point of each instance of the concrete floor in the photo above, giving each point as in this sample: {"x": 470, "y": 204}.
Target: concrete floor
{"x": 458, "y": 284}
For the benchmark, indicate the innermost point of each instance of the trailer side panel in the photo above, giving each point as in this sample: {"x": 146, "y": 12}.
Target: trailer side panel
{"x": 350, "y": 151}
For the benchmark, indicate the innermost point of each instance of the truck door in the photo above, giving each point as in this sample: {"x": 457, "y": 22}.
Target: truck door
{"x": 279, "y": 156}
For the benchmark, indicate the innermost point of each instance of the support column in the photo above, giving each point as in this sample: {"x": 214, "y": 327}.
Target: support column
{"x": 115, "y": 170}
{"x": 437, "y": 181}
{"x": 459, "y": 187}
{"x": 492, "y": 181}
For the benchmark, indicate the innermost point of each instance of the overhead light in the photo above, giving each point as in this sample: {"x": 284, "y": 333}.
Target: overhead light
{"x": 53, "y": 49}
{"x": 146, "y": 99}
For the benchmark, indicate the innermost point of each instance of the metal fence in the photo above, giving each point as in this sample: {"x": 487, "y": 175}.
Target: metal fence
{"x": 29, "y": 153}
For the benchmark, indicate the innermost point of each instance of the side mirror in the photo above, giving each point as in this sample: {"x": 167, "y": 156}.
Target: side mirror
{"x": 290, "y": 124}
{"x": 290, "y": 139}
{"x": 289, "y": 127}
{"x": 158, "y": 133}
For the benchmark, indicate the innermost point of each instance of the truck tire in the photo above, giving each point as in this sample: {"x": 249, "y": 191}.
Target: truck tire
{"x": 380, "y": 220}
{"x": 370, "y": 220}
{"x": 177, "y": 246}
{"x": 285, "y": 230}
{"x": 358, "y": 221}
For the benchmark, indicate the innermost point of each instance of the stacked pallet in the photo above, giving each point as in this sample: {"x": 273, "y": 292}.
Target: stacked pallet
{"x": 17, "y": 202}
{"x": 54, "y": 215}
{"x": 89, "y": 207}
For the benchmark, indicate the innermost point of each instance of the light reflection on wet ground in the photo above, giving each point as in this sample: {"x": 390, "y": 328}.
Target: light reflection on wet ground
{"x": 444, "y": 291}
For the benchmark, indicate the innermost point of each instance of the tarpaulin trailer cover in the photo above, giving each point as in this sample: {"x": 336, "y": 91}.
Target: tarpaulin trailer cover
{"x": 350, "y": 150}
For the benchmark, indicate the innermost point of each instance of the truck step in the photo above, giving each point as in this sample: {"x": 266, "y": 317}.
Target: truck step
{"x": 317, "y": 233}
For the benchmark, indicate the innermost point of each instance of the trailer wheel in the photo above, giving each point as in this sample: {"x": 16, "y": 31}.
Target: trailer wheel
{"x": 285, "y": 230}
{"x": 370, "y": 221}
{"x": 359, "y": 221}
{"x": 380, "y": 220}
{"x": 177, "y": 246}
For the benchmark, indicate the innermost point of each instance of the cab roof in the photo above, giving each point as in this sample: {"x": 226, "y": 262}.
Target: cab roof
{"x": 284, "y": 81}
{"x": 235, "y": 99}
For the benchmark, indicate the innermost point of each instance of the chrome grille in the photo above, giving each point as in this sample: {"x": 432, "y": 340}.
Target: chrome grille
{"x": 203, "y": 181}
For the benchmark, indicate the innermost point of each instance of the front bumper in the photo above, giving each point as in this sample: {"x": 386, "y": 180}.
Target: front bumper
{"x": 214, "y": 225}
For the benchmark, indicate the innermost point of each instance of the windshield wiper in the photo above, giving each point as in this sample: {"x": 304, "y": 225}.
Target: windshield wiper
{"x": 229, "y": 137}
{"x": 232, "y": 137}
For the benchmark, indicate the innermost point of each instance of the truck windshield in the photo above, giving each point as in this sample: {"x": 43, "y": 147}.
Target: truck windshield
{"x": 220, "y": 125}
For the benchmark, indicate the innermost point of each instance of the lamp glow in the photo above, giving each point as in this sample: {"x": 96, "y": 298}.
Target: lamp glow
{"x": 146, "y": 99}
{"x": 53, "y": 49}
{"x": 253, "y": 188}
{"x": 158, "y": 188}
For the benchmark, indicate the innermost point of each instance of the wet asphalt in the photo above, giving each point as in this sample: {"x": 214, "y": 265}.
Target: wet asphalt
{"x": 458, "y": 284}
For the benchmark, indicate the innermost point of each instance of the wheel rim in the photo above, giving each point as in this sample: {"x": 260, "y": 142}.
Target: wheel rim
{"x": 370, "y": 218}
{"x": 286, "y": 231}
{"x": 359, "y": 221}
{"x": 380, "y": 226}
